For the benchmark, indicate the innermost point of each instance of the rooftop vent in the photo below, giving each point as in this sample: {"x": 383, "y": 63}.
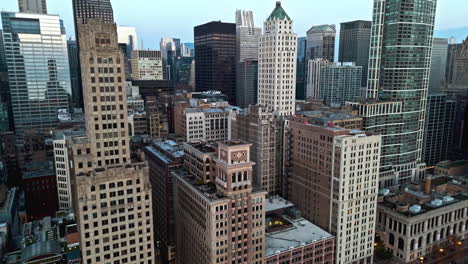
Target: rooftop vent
{"x": 436, "y": 202}
{"x": 415, "y": 209}
{"x": 447, "y": 199}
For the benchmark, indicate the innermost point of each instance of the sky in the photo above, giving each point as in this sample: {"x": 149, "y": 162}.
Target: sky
{"x": 155, "y": 19}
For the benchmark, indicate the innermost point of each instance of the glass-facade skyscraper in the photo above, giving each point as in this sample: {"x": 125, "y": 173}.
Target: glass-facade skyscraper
{"x": 398, "y": 80}
{"x": 38, "y": 69}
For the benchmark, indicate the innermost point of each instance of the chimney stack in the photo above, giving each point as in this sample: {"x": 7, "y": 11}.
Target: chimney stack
{"x": 427, "y": 185}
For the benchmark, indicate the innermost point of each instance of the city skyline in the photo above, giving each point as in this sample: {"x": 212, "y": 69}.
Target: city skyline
{"x": 449, "y": 18}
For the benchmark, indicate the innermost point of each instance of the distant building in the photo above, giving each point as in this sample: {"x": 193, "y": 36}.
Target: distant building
{"x": 75, "y": 77}
{"x": 440, "y": 119}
{"x": 247, "y": 83}
{"x": 422, "y": 217}
{"x": 260, "y": 127}
{"x": 280, "y": 95}
{"x": 289, "y": 238}
{"x": 438, "y": 64}
{"x": 164, "y": 157}
{"x": 39, "y": 85}
{"x": 215, "y": 58}
{"x": 33, "y": 6}
{"x": 324, "y": 163}
{"x": 212, "y": 124}
{"x": 247, "y": 44}
{"x": 321, "y": 42}
{"x": 314, "y": 70}
{"x": 221, "y": 221}
{"x": 146, "y": 65}
{"x": 301, "y": 69}
{"x": 138, "y": 124}
{"x": 187, "y": 50}
{"x": 89, "y": 9}
{"x": 170, "y": 50}
{"x": 339, "y": 84}
{"x": 127, "y": 35}
{"x": 355, "y": 44}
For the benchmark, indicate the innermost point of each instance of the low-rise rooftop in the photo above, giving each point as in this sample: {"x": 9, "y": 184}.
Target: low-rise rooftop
{"x": 296, "y": 233}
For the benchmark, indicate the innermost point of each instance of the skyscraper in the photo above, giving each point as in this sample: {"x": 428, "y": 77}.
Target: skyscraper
{"x": 438, "y": 134}
{"x": 301, "y": 82}
{"x": 247, "y": 41}
{"x": 355, "y": 43}
{"x": 170, "y": 50}
{"x": 399, "y": 79}
{"x": 277, "y": 61}
{"x": 321, "y": 42}
{"x": 247, "y": 36}
{"x": 147, "y": 65}
{"x": 221, "y": 219}
{"x": 340, "y": 83}
{"x": 106, "y": 183}
{"x": 438, "y": 64}
{"x": 87, "y": 9}
{"x": 128, "y": 36}
{"x": 333, "y": 180}
{"x": 215, "y": 58}
{"x": 39, "y": 85}
{"x": 33, "y": 6}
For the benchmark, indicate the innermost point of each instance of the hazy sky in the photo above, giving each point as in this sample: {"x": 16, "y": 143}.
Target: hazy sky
{"x": 155, "y": 19}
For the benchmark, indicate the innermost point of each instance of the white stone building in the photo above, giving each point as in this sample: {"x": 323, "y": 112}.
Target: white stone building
{"x": 277, "y": 63}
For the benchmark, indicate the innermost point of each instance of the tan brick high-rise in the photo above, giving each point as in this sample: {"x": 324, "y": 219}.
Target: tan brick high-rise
{"x": 112, "y": 194}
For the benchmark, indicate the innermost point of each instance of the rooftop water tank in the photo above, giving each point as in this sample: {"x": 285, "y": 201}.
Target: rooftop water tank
{"x": 415, "y": 209}
{"x": 436, "y": 202}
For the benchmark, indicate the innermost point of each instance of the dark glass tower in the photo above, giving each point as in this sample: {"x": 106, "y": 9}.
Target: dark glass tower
{"x": 74, "y": 62}
{"x": 215, "y": 58}
{"x": 354, "y": 45}
{"x": 301, "y": 68}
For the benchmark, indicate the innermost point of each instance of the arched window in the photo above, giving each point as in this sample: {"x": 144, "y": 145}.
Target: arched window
{"x": 455, "y": 228}
{"x": 391, "y": 239}
{"x": 442, "y": 234}
{"x": 412, "y": 245}
{"x": 434, "y": 237}
{"x": 245, "y": 176}
{"x": 428, "y": 239}
{"x": 420, "y": 242}
{"x": 460, "y": 227}
{"x": 401, "y": 244}
{"x": 447, "y": 232}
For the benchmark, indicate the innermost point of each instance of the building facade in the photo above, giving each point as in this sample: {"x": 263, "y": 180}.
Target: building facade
{"x": 215, "y": 58}
{"x": 222, "y": 221}
{"x": 33, "y": 6}
{"x": 333, "y": 180}
{"x": 39, "y": 85}
{"x": 438, "y": 64}
{"x": 264, "y": 131}
{"x": 440, "y": 121}
{"x": 402, "y": 98}
{"x": 274, "y": 65}
{"x": 247, "y": 83}
{"x": 164, "y": 157}
{"x": 212, "y": 124}
{"x": 111, "y": 193}
{"x": 422, "y": 219}
{"x": 302, "y": 62}
{"x": 321, "y": 42}
{"x": 314, "y": 70}
{"x": 355, "y": 44}
{"x": 147, "y": 65}
{"x": 339, "y": 84}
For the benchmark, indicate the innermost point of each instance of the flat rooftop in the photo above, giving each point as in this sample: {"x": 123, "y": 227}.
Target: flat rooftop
{"x": 298, "y": 233}
{"x": 203, "y": 147}
{"x": 276, "y": 203}
{"x": 206, "y": 189}
{"x": 171, "y": 149}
